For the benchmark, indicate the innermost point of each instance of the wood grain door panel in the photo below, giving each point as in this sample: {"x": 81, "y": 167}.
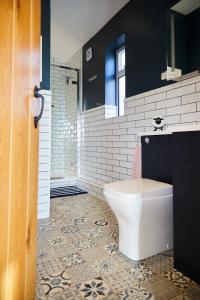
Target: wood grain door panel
{"x": 6, "y": 33}
{"x": 33, "y": 152}
{"x": 19, "y": 69}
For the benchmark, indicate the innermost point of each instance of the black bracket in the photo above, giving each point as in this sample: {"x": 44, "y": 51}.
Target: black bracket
{"x": 38, "y": 95}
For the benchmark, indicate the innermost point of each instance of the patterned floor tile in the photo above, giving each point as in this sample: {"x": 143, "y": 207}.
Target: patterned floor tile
{"x": 181, "y": 297}
{"x": 66, "y": 294}
{"x": 101, "y": 223}
{"x": 138, "y": 293}
{"x": 178, "y": 279}
{"x": 72, "y": 259}
{"x": 193, "y": 292}
{"x": 119, "y": 280}
{"x": 78, "y": 258}
{"x": 161, "y": 288}
{"x": 70, "y": 229}
{"x": 105, "y": 265}
{"x": 39, "y": 295}
{"x": 80, "y": 220}
{"x": 141, "y": 272}
{"x": 82, "y": 273}
{"x": 49, "y": 266}
{"x": 94, "y": 254}
{"x": 62, "y": 250}
{"x": 160, "y": 263}
{"x": 95, "y": 289}
{"x": 55, "y": 283}
{"x": 111, "y": 248}
{"x": 82, "y": 244}
{"x": 112, "y": 296}
{"x": 93, "y": 232}
{"x": 56, "y": 240}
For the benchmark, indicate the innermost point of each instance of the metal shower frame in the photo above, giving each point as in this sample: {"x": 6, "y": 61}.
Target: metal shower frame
{"x": 73, "y": 82}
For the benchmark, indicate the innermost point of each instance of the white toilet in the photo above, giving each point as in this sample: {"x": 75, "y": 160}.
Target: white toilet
{"x": 144, "y": 211}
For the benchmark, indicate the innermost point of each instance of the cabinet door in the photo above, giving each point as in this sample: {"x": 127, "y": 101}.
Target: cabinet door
{"x": 187, "y": 213}
{"x": 157, "y": 158}
{"x": 186, "y": 146}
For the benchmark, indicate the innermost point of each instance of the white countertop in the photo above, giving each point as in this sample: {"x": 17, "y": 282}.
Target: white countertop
{"x": 170, "y": 130}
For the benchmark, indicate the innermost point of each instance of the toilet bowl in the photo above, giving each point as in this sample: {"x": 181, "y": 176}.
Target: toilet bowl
{"x": 144, "y": 211}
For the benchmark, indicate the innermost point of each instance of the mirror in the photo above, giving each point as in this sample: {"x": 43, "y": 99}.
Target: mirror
{"x": 182, "y": 40}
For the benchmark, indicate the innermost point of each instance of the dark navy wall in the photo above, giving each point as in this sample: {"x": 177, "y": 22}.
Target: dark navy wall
{"x": 194, "y": 40}
{"x": 144, "y": 24}
{"x": 46, "y": 33}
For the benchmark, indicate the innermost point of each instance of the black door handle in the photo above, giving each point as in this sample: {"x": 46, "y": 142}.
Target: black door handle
{"x": 38, "y": 95}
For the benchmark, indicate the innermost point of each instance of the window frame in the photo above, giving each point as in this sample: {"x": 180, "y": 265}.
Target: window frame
{"x": 119, "y": 74}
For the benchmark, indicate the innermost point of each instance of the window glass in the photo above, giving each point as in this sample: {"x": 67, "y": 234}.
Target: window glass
{"x": 120, "y": 80}
{"x": 121, "y": 60}
{"x": 122, "y": 89}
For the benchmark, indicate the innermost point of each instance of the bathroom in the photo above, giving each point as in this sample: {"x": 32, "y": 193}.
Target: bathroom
{"x": 122, "y": 101}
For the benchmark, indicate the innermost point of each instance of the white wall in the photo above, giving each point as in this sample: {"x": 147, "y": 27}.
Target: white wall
{"x": 44, "y": 159}
{"x": 73, "y": 23}
{"x": 106, "y": 146}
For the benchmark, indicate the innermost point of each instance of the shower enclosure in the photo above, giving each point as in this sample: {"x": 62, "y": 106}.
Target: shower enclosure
{"x": 65, "y": 102}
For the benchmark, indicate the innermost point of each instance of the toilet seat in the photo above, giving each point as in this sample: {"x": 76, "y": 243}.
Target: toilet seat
{"x": 137, "y": 189}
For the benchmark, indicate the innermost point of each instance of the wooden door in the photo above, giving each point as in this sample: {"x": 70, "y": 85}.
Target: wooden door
{"x": 19, "y": 73}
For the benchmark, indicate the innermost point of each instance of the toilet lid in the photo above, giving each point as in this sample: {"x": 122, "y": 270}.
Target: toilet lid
{"x": 144, "y": 188}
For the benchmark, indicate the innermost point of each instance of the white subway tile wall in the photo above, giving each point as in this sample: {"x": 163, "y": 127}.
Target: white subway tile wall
{"x": 44, "y": 159}
{"x": 64, "y": 121}
{"x": 106, "y": 145}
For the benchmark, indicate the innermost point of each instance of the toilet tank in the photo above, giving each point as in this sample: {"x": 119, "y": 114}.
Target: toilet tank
{"x": 157, "y": 157}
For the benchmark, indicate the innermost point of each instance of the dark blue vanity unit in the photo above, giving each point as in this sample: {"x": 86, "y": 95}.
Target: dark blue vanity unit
{"x": 175, "y": 158}
{"x": 186, "y": 182}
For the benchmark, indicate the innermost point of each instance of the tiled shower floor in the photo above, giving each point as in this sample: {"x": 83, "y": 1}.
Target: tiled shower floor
{"x": 78, "y": 259}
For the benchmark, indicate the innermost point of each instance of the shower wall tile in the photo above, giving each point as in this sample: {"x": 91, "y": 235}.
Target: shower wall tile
{"x": 64, "y": 120}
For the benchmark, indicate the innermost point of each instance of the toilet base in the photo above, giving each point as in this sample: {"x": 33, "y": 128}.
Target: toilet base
{"x": 145, "y": 226}
{"x": 137, "y": 255}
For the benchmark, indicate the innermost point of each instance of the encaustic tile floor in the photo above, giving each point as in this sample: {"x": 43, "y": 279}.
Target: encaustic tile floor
{"x": 78, "y": 258}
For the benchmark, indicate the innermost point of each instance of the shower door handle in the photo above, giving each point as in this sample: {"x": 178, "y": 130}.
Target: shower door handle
{"x": 38, "y": 95}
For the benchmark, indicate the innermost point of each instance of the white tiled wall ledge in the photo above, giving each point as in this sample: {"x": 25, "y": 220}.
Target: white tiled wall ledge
{"x": 170, "y": 130}
{"x": 44, "y": 158}
{"x": 106, "y": 145}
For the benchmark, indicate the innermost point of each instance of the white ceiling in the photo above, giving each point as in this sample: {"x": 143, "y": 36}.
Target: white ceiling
{"x": 74, "y": 22}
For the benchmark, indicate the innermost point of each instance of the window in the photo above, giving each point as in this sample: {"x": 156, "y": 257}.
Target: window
{"x": 120, "y": 79}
